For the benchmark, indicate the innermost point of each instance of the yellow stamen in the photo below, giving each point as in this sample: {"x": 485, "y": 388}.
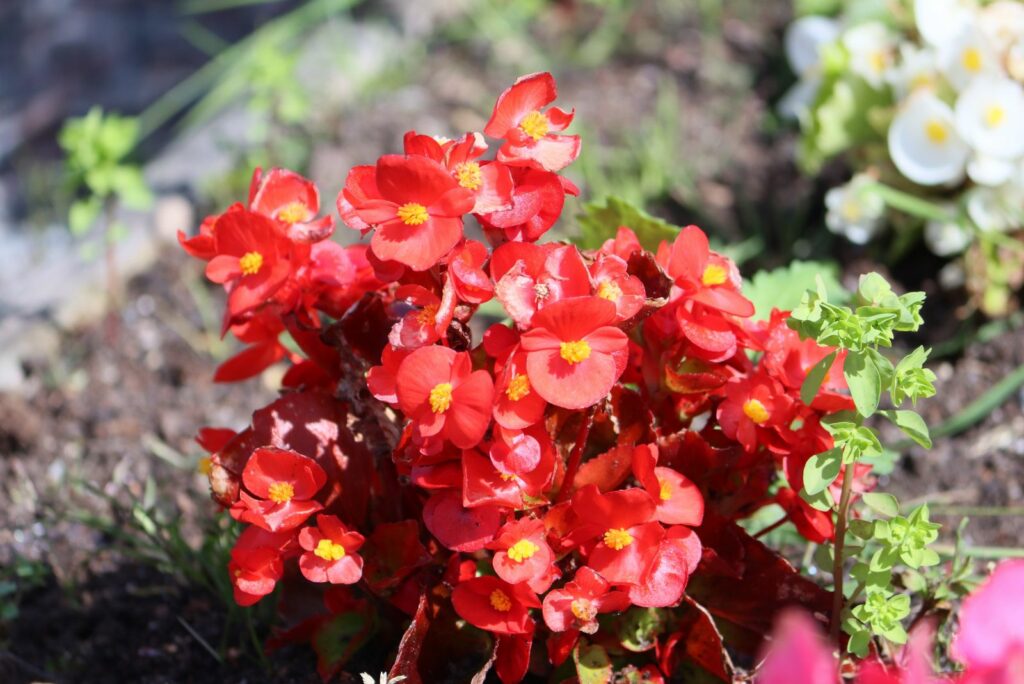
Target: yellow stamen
{"x": 617, "y": 538}
{"x": 574, "y": 352}
{"x": 583, "y": 609}
{"x": 851, "y": 211}
{"x": 936, "y": 131}
{"x": 714, "y": 274}
{"x": 293, "y": 213}
{"x": 994, "y": 115}
{"x": 610, "y": 291}
{"x": 522, "y": 549}
{"x": 500, "y": 601}
{"x": 427, "y": 315}
{"x": 281, "y": 492}
{"x": 329, "y": 550}
{"x": 469, "y": 175}
{"x": 878, "y": 61}
{"x": 971, "y": 59}
{"x": 441, "y": 397}
{"x": 204, "y": 466}
{"x": 534, "y": 125}
{"x": 518, "y": 387}
{"x": 665, "y": 490}
{"x": 755, "y": 411}
{"x": 250, "y": 263}
{"x": 413, "y": 214}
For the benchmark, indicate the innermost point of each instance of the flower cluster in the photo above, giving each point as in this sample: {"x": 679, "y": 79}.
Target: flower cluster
{"x": 586, "y": 458}
{"x": 928, "y": 101}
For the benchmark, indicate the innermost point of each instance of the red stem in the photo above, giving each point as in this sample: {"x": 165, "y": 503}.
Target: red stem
{"x": 575, "y": 456}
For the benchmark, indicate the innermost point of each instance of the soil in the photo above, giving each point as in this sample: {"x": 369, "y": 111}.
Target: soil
{"x": 119, "y": 407}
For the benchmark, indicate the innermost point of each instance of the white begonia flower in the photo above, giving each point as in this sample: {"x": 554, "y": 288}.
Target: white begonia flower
{"x": 939, "y": 21}
{"x": 990, "y": 171}
{"x": 990, "y": 117}
{"x": 804, "y": 41}
{"x": 916, "y": 69}
{"x": 946, "y": 238}
{"x": 924, "y": 144}
{"x": 854, "y": 212}
{"x": 872, "y": 51}
{"x": 996, "y": 210}
{"x": 1003, "y": 22}
{"x": 968, "y": 56}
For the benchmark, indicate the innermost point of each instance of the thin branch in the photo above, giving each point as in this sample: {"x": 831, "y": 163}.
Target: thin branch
{"x": 575, "y": 456}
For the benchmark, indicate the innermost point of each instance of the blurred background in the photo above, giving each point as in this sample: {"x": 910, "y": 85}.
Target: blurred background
{"x": 125, "y": 121}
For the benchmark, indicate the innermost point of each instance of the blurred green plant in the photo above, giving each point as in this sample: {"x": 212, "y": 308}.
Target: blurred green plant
{"x": 16, "y": 579}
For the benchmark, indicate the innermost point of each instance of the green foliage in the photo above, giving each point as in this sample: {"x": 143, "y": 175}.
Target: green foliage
{"x": 97, "y": 147}
{"x": 783, "y": 288}
{"x": 16, "y": 579}
{"x": 600, "y": 223}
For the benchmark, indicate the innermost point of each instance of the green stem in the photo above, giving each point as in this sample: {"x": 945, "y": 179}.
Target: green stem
{"x": 837, "y": 563}
{"x": 909, "y": 204}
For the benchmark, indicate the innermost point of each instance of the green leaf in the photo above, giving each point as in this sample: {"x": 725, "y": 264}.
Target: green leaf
{"x": 340, "y": 638}
{"x": 859, "y": 642}
{"x": 600, "y": 223}
{"x": 83, "y": 214}
{"x": 886, "y": 504}
{"x": 639, "y": 629}
{"x": 821, "y": 470}
{"x": 913, "y": 426}
{"x": 864, "y": 380}
{"x": 592, "y": 664}
{"x": 816, "y": 376}
{"x": 784, "y": 288}
{"x": 822, "y": 501}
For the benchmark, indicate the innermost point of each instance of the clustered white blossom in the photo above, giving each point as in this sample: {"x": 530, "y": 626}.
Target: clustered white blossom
{"x": 956, "y": 81}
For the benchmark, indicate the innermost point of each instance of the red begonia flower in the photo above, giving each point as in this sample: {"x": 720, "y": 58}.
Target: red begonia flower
{"x": 573, "y": 353}
{"x": 490, "y": 181}
{"x": 679, "y": 500}
{"x": 381, "y": 379}
{"x": 663, "y": 582}
{"x": 202, "y": 246}
{"x": 466, "y": 270}
{"x": 422, "y": 319}
{"x": 705, "y": 276}
{"x": 279, "y": 489}
{"x": 522, "y": 551}
{"x": 621, "y": 524}
{"x": 712, "y": 337}
{"x": 485, "y": 484}
{"x": 495, "y": 605}
{"x": 252, "y": 261}
{"x": 457, "y": 527}
{"x": 512, "y": 656}
{"x": 257, "y": 563}
{"x": 536, "y": 203}
{"x": 577, "y": 605}
{"x": 417, "y": 210}
{"x": 530, "y": 133}
{"x": 990, "y": 640}
{"x": 754, "y": 406}
{"x": 622, "y": 245}
{"x": 439, "y": 390}
{"x": 330, "y": 552}
{"x": 516, "y": 404}
{"x": 612, "y": 282}
{"x": 261, "y": 333}
{"x": 528, "y": 277}
{"x": 287, "y": 197}
{"x": 814, "y": 525}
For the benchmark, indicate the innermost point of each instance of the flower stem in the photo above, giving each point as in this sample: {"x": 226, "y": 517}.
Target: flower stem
{"x": 575, "y": 456}
{"x": 837, "y": 563}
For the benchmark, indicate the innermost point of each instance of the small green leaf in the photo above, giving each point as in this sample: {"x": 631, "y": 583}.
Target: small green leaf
{"x": 864, "y": 381}
{"x": 859, "y": 642}
{"x": 600, "y": 223}
{"x": 821, "y": 470}
{"x": 883, "y": 503}
{"x": 83, "y": 214}
{"x": 592, "y": 664}
{"x": 816, "y": 376}
{"x": 912, "y": 424}
{"x": 863, "y": 529}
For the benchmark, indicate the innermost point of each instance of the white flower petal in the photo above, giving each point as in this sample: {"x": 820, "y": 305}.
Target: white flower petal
{"x": 946, "y": 238}
{"x": 990, "y": 171}
{"x": 938, "y": 21}
{"x": 804, "y": 39}
{"x": 798, "y": 99}
{"x": 967, "y": 56}
{"x": 924, "y": 144}
{"x": 871, "y": 47}
{"x": 990, "y": 116}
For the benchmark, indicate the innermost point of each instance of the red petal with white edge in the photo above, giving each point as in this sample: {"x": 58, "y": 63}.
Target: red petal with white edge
{"x": 571, "y": 385}
{"x": 689, "y": 255}
{"x": 665, "y": 580}
{"x": 419, "y": 373}
{"x": 470, "y": 413}
{"x": 685, "y": 503}
{"x": 404, "y": 179}
{"x": 495, "y": 194}
{"x": 559, "y": 118}
{"x": 418, "y": 247}
{"x": 551, "y": 153}
{"x": 459, "y": 528}
{"x": 529, "y": 93}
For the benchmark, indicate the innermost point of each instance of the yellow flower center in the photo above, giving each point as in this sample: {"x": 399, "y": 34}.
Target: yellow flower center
{"x": 500, "y": 601}
{"x": 534, "y": 125}
{"x": 329, "y": 550}
{"x": 610, "y": 291}
{"x": 441, "y": 397}
{"x": 250, "y": 263}
{"x": 994, "y": 115}
{"x": 293, "y": 213}
{"x": 469, "y": 175}
{"x": 583, "y": 609}
{"x": 878, "y": 61}
{"x": 617, "y": 538}
{"x": 413, "y": 214}
{"x": 574, "y": 352}
{"x": 971, "y": 59}
{"x": 755, "y": 411}
{"x": 851, "y": 211}
{"x": 664, "y": 490}
{"x": 427, "y": 315}
{"x": 518, "y": 387}
{"x": 204, "y": 466}
{"x": 714, "y": 274}
{"x": 936, "y": 131}
{"x": 522, "y": 549}
{"x": 281, "y": 492}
